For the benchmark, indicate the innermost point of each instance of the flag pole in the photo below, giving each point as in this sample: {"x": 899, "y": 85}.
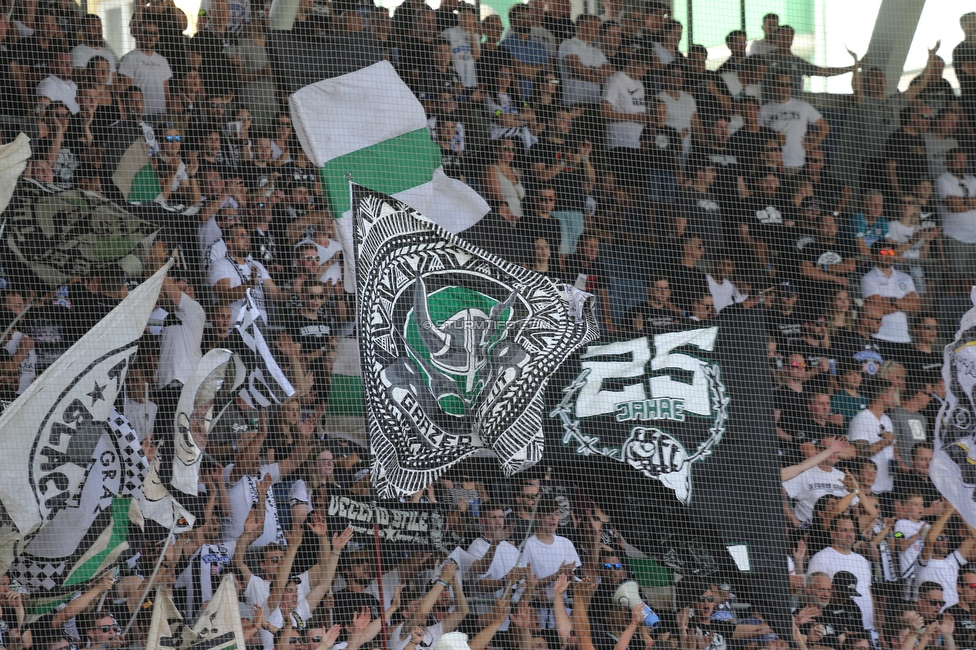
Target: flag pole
{"x": 379, "y": 578}
{"x": 528, "y": 533}
{"x": 152, "y": 578}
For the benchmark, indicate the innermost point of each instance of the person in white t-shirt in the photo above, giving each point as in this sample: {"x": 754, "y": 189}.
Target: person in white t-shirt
{"x": 872, "y": 431}
{"x": 58, "y": 86}
{"x": 210, "y": 236}
{"x": 548, "y": 554}
{"x": 792, "y": 119}
{"x": 682, "y": 109}
{"x": 624, "y": 108}
{"x": 148, "y": 70}
{"x": 937, "y": 564}
{"x": 92, "y": 45}
{"x": 957, "y": 194}
{"x": 766, "y": 44}
{"x": 807, "y": 487}
{"x": 495, "y": 557}
{"x": 582, "y": 66}
{"x": 249, "y": 484}
{"x": 839, "y": 556}
{"x": 421, "y": 627}
{"x": 465, "y": 40}
{"x": 909, "y": 538}
{"x": 892, "y": 292}
{"x": 233, "y": 275}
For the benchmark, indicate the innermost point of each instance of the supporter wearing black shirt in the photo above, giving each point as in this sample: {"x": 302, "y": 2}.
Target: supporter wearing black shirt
{"x": 493, "y": 58}
{"x": 91, "y": 302}
{"x": 686, "y": 279}
{"x": 917, "y": 480}
{"x": 748, "y": 144}
{"x": 809, "y": 425}
{"x": 314, "y": 330}
{"x": 717, "y": 151}
{"x": 784, "y": 321}
{"x": 500, "y": 233}
{"x": 561, "y": 160}
{"x": 826, "y": 262}
{"x": 33, "y": 55}
{"x": 766, "y": 223}
{"x": 452, "y": 161}
{"x": 656, "y": 314}
{"x": 922, "y": 357}
{"x": 540, "y": 223}
{"x": 216, "y": 47}
{"x": 859, "y": 344}
{"x": 964, "y": 64}
{"x": 815, "y": 342}
{"x": 560, "y": 24}
{"x": 10, "y": 102}
{"x": 790, "y": 400}
{"x": 905, "y": 160}
{"x": 964, "y": 612}
{"x": 697, "y": 211}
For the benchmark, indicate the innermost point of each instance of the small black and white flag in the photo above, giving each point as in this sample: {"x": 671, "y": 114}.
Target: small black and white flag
{"x": 457, "y": 346}
{"x": 266, "y": 383}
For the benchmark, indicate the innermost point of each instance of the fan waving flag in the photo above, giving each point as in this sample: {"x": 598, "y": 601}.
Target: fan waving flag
{"x": 266, "y": 383}
{"x": 457, "y": 346}
{"x": 217, "y": 628}
{"x": 953, "y": 468}
{"x": 369, "y": 127}
{"x": 61, "y": 415}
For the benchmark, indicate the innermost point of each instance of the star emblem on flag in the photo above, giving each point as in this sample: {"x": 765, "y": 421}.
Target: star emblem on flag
{"x": 97, "y": 393}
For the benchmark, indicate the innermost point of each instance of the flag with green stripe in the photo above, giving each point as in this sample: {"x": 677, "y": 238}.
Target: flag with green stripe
{"x": 367, "y": 126}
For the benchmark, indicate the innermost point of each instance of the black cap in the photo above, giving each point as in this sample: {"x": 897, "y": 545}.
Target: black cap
{"x": 845, "y": 582}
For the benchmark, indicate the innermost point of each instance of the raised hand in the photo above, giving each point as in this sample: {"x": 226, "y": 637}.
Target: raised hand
{"x": 559, "y": 587}
{"x": 330, "y": 637}
{"x": 340, "y": 540}
{"x": 449, "y": 571}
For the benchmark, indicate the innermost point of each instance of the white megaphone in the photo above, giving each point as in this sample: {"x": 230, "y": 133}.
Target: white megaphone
{"x": 628, "y": 595}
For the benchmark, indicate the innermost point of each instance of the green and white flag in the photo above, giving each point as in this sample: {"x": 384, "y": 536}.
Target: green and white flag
{"x": 369, "y": 127}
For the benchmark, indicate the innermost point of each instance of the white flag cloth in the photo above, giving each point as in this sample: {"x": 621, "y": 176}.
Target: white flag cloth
{"x": 48, "y": 434}
{"x": 953, "y": 468}
{"x": 369, "y": 127}
{"x": 13, "y": 162}
{"x": 266, "y": 382}
{"x": 217, "y": 628}
{"x": 218, "y": 371}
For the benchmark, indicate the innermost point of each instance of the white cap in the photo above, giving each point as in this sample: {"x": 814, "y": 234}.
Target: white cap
{"x": 453, "y": 641}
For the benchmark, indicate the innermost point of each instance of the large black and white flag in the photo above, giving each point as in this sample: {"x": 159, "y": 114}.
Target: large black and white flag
{"x": 457, "y": 346}
{"x": 87, "y": 536}
{"x": 266, "y": 383}
{"x": 217, "y": 628}
{"x": 48, "y": 434}
{"x": 953, "y": 468}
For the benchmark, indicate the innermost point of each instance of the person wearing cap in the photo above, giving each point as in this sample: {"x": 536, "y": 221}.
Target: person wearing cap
{"x": 861, "y": 345}
{"x": 842, "y": 613}
{"x": 938, "y": 565}
{"x": 891, "y": 291}
{"x": 840, "y": 556}
{"x": 698, "y": 628}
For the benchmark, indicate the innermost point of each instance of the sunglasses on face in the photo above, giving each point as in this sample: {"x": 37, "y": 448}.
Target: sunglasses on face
{"x": 798, "y": 365}
{"x": 316, "y": 296}
{"x": 275, "y": 559}
{"x": 315, "y": 639}
{"x": 109, "y": 628}
{"x": 706, "y": 599}
{"x": 295, "y": 640}
{"x": 886, "y": 252}
{"x": 310, "y": 258}
{"x": 933, "y": 601}
{"x": 612, "y": 566}
{"x": 174, "y": 138}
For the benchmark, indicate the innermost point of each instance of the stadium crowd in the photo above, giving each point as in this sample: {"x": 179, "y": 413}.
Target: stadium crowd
{"x": 612, "y": 161}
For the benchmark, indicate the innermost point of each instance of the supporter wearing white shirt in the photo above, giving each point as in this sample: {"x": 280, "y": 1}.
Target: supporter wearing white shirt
{"x": 465, "y": 45}
{"x": 58, "y": 87}
{"x": 839, "y": 556}
{"x": 419, "y": 626}
{"x": 909, "y": 538}
{"x": 937, "y": 564}
{"x": 957, "y": 196}
{"x": 793, "y": 118}
{"x": 624, "y": 106}
{"x": 582, "y": 66}
{"x": 766, "y": 45}
{"x": 210, "y": 235}
{"x": 92, "y": 45}
{"x": 549, "y": 554}
{"x": 148, "y": 70}
{"x": 682, "y": 109}
{"x": 890, "y": 291}
{"x": 233, "y": 275}
{"x": 724, "y": 293}
{"x": 874, "y": 427}
{"x": 495, "y": 556}
{"x": 807, "y": 487}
